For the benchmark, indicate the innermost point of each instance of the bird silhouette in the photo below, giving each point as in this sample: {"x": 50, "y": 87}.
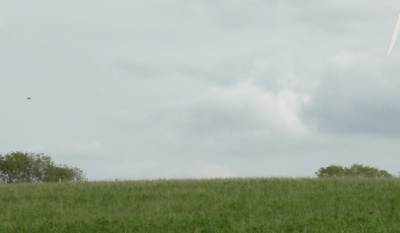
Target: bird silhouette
{"x": 29, "y": 98}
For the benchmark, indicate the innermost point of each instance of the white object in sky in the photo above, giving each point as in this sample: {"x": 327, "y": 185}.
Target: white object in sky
{"x": 394, "y": 37}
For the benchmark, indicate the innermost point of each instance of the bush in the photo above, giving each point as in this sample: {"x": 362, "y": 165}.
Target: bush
{"x": 356, "y": 170}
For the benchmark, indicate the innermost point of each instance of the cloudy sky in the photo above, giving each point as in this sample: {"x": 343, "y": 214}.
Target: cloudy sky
{"x": 147, "y": 89}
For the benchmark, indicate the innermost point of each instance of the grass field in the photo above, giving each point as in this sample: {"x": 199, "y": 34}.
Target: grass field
{"x": 221, "y": 205}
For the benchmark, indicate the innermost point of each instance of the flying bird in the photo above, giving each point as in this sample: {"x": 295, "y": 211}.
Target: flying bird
{"x": 29, "y": 98}
{"x": 394, "y": 37}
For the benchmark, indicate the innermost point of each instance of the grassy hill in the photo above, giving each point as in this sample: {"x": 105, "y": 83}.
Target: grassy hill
{"x": 221, "y": 205}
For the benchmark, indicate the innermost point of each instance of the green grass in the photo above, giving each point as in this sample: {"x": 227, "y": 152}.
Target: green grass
{"x": 227, "y": 205}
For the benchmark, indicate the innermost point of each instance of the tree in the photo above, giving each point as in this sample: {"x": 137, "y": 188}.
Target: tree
{"x": 356, "y": 170}
{"x": 23, "y": 167}
{"x": 331, "y": 171}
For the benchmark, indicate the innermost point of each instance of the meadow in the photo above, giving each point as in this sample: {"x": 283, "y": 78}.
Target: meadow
{"x": 216, "y": 205}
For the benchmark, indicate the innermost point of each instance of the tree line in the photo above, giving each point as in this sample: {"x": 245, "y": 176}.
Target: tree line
{"x": 25, "y": 167}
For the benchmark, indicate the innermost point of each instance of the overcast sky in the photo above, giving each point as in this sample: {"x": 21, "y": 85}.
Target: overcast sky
{"x": 147, "y": 89}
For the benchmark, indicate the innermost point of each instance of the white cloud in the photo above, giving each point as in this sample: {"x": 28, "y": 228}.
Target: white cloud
{"x": 276, "y": 112}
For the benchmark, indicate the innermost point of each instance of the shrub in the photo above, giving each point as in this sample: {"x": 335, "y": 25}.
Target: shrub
{"x": 356, "y": 170}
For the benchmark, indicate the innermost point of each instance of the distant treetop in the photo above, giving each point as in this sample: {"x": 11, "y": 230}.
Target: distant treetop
{"x": 356, "y": 170}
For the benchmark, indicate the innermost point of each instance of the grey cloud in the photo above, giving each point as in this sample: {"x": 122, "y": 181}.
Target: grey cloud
{"x": 238, "y": 120}
{"x": 357, "y": 98}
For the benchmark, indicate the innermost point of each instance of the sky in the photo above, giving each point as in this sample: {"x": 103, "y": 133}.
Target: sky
{"x": 171, "y": 89}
